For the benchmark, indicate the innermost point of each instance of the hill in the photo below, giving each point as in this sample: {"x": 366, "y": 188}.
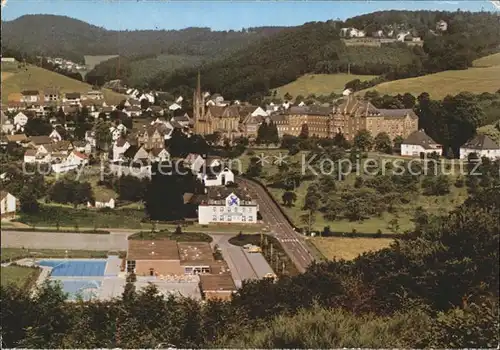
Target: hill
{"x": 73, "y": 39}
{"x": 488, "y": 61}
{"x": 36, "y": 78}
{"x": 319, "y": 84}
{"x": 438, "y": 85}
{"x": 316, "y": 48}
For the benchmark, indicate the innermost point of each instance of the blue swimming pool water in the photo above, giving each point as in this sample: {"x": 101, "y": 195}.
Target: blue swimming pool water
{"x": 75, "y": 267}
{"x": 85, "y": 289}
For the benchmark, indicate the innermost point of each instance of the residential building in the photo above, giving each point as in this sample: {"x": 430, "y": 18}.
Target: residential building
{"x": 119, "y": 148}
{"x": 18, "y": 138}
{"x": 220, "y": 286}
{"x": 226, "y": 205}
{"x": 73, "y": 161}
{"x": 8, "y": 205}
{"x": 418, "y": 143}
{"x": 40, "y": 140}
{"x": 30, "y": 96}
{"x": 441, "y": 26}
{"x": 153, "y": 136}
{"x": 7, "y": 125}
{"x": 20, "y": 120}
{"x": 73, "y": 98}
{"x": 51, "y": 95}
{"x": 95, "y": 95}
{"x": 102, "y": 200}
{"x": 352, "y": 33}
{"x": 482, "y": 145}
{"x": 216, "y": 176}
{"x": 82, "y": 146}
{"x": 159, "y": 155}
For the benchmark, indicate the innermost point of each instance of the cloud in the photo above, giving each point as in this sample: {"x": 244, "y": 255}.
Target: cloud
{"x": 447, "y": 2}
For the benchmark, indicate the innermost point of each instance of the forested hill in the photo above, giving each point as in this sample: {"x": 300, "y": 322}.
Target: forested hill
{"x": 60, "y": 36}
{"x": 317, "y": 48}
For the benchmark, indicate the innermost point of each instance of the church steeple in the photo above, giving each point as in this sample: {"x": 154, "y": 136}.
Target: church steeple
{"x": 198, "y": 104}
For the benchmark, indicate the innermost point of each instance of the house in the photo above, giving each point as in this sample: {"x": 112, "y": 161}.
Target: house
{"x": 132, "y": 111}
{"x": 137, "y": 154}
{"x": 8, "y": 59}
{"x": 30, "y": 96}
{"x": 183, "y": 120}
{"x": 119, "y": 148}
{"x": 90, "y": 137}
{"x": 20, "y": 120}
{"x": 30, "y": 156}
{"x": 179, "y": 99}
{"x": 197, "y": 163}
{"x": 441, "y": 26}
{"x": 7, "y": 125}
{"x": 82, "y": 146}
{"x": 156, "y": 110}
{"x": 401, "y": 36}
{"x": 220, "y": 286}
{"x": 102, "y": 200}
{"x": 159, "y": 155}
{"x": 51, "y": 95}
{"x": 154, "y": 136}
{"x": 8, "y": 205}
{"x": 40, "y": 140}
{"x": 227, "y": 205}
{"x": 117, "y": 131}
{"x": 215, "y": 177}
{"x": 73, "y": 161}
{"x": 148, "y": 96}
{"x": 174, "y": 106}
{"x": 482, "y": 145}
{"x": 58, "y": 134}
{"x": 17, "y": 138}
{"x": 73, "y": 98}
{"x": 95, "y": 95}
{"x": 418, "y": 143}
{"x": 352, "y": 33}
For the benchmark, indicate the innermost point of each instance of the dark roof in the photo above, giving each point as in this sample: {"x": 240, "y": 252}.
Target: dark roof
{"x": 73, "y": 95}
{"x": 215, "y": 283}
{"x": 133, "y": 109}
{"x": 420, "y": 138}
{"x": 131, "y": 151}
{"x": 221, "y": 192}
{"x": 181, "y": 118}
{"x": 481, "y": 142}
{"x": 29, "y": 92}
{"x": 156, "y": 151}
{"x": 41, "y": 140}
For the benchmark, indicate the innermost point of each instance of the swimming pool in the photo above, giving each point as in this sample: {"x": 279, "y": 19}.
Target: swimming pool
{"x": 84, "y": 289}
{"x": 77, "y": 268}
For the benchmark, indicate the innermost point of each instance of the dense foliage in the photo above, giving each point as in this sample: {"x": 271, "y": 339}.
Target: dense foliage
{"x": 437, "y": 287}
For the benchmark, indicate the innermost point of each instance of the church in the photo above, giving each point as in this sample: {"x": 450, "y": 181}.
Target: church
{"x": 210, "y": 119}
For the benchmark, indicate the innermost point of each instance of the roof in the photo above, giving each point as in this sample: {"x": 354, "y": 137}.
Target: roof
{"x": 30, "y": 152}
{"x": 16, "y": 138}
{"x": 156, "y": 151}
{"x": 224, "y": 112}
{"x": 29, "y": 92}
{"x": 152, "y": 250}
{"x": 481, "y": 142}
{"x": 133, "y": 109}
{"x": 397, "y": 113}
{"x": 420, "y": 138}
{"x": 51, "y": 91}
{"x": 41, "y": 140}
{"x": 220, "y": 193}
{"x": 73, "y": 95}
{"x": 199, "y": 252}
{"x": 120, "y": 142}
{"x": 4, "y": 194}
{"x": 309, "y": 110}
{"x": 61, "y": 146}
{"x": 80, "y": 155}
{"x": 220, "y": 282}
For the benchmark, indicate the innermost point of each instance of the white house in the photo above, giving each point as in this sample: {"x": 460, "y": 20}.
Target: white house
{"x": 95, "y": 95}
{"x": 37, "y": 156}
{"x": 102, "y": 201}
{"x": 117, "y": 131}
{"x": 30, "y": 96}
{"x": 20, "y": 120}
{"x": 179, "y": 99}
{"x": 259, "y": 112}
{"x": 8, "y": 205}
{"x": 73, "y": 161}
{"x": 482, "y": 145}
{"x": 197, "y": 163}
{"x": 441, "y": 26}
{"x": 352, "y": 33}
{"x": 224, "y": 205}
{"x": 55, "y": 135}
{"x": 82, "y": 146}
{"x": 7, "y": 127}
{"x": 72, "y": 98}
{"x": 401, "y": 36}
{"x": 159, "y": 155}
{"x": 419, "y": 142}
{"x": 119, "y": 148}
{"x": 174, "y": 107}
{"x": 210, "y": 177}
{"x": 147, "y": 96}
{"x": 90, "y": 137}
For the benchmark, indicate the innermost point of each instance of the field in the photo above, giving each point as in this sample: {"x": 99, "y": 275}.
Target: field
{"x": 488, "y": 61}
{"x": 439, "y": 85}
{"x": 319, "y": 84}
{"x": 92, "y": 61}
{"x": 348, "y": 248}
{"x": 36, "y": 78}
{"x": 20, "y": 276}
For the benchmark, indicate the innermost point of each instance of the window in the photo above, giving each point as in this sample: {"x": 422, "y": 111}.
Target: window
{"x": 214, "y": 208}
{"x": 221, "y": 209}
{"x": 130, "y": 266}
{"x": 243, "y": 218}
{"x": 250, "y": 218}
{"x": 214, "y": 218}
{"x": 221, "y": 218}
{"x": 229, "y": 218}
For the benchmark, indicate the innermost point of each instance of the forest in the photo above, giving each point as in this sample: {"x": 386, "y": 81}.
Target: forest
{"x": 434, "y": 287}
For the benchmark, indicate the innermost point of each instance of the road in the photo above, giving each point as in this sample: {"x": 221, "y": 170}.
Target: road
{"x": 292, "y": 242}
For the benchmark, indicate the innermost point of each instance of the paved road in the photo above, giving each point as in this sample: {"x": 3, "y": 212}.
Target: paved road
{"x": 59, "y": 240}
{"x": 292, "y": 242}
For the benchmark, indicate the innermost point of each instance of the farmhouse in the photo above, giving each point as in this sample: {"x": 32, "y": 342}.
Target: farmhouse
{"x": 482, "y": 145}
{"x": 418, "y": 143}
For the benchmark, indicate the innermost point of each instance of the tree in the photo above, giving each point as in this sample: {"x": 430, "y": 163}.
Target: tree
{"x": 304, "y": 131}
{"x": 339, "y": 140}
{"x": 408, "y": 100}
{"x": 288, "y": 97}
{"x": 383, "y": 143}
{"x": 102, "y": 135}
{"x": 363, "y": 140}
{"x": 28, "y": 202}
{"x": 289, "y": 198}
{"x": 398, "y": 140}
{"x": 254, "y": 167}
{"x": 131, "y": 188}
{"x": 37, "y": 127}
{"x": 145, "y": 104}
{"x": 69, "y": 191}
{"x": 333, "y": 209}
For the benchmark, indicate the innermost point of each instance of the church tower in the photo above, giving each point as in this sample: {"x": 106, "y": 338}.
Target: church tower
{"x": 198, "y": 107}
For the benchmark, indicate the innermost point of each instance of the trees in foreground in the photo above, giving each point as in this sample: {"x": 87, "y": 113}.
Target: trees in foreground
{"x": 436, "y": 287}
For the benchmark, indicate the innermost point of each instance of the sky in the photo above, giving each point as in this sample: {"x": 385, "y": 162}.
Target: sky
{"x": 218, "y": 15}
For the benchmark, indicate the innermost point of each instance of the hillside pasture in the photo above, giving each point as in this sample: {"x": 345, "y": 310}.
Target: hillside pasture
{"x": 439, "y": 85}
{"x": 92, "y": 61}
{"x": 36, "y": 78}
{"x": 488, "y": 61}
{"x": 319, "y": 84}
{"x": 348, "y": 248}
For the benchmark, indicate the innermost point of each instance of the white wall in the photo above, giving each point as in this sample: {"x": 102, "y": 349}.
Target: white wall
{"x": 490, "y": 153}
{"x": 227, "y": 175}
{"x": 8, "y": 204}
{"x": 221, "y": 213}
{"x": 415, "y": 150}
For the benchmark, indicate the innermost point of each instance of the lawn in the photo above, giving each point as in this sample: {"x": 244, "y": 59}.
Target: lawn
{"x": 20, "y": 276}
{"x": 488, "y": 61}
{"x": 439, "y": 85}
{"x": 164, "y": 234}
{"x": 36, "y": 78}
{"x": 10, "y": 254}
{"x": 348, "y": 248}
{"x": 319, "y": 84}
{"x": 52, "y": 216}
